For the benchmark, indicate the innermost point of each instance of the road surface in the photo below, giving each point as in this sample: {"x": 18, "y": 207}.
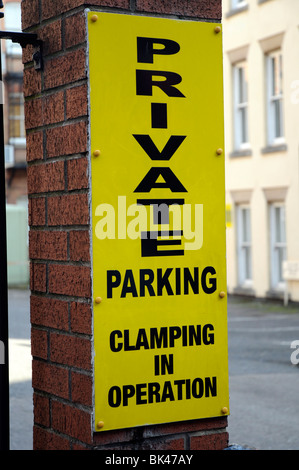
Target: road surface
{"x": 264, "y": 384}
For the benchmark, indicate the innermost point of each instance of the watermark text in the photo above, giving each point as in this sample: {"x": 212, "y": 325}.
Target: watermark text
{"x": 295, "y": 354}
{"x": 139, "y": 221}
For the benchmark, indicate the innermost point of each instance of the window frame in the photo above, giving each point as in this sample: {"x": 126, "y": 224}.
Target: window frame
{"x": 240, "y": 107}
{"x": 21, "y": 138}
{"x": 236, "y": 4}
{"x": 244, "y": 246}
{"x": 275, "y": 120}
{"x": 278, "y": 249}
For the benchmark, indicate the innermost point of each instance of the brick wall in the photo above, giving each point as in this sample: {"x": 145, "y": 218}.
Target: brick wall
{"x": 60, "y": 275}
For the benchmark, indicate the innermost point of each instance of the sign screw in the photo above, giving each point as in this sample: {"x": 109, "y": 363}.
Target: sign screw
{"x": 96, "y": 153}
{"x": 98, "y": 300}
{"x": 94, "y": 18}
{"x": 219, "y": 151}
{"x": 224, "y": 410}
{"x": 217, "y": 29}
{"x": 100, "y": 424}
{"x": 222, "y": 294}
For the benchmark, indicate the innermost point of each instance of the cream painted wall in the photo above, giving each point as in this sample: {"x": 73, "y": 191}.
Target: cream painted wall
{"x": 249, "y": 34}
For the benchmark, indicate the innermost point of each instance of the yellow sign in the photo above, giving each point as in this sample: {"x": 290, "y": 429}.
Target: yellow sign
{"x": 158, "y": 217}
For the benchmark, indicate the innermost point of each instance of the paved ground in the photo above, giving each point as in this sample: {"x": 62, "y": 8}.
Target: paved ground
{"x": 21, "y": 409}
{"x": 264, "y": 383}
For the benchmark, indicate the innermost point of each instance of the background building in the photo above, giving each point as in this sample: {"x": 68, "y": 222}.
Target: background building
{"x": 15, "y": 142}
{"x": 15, "y": 150}
{"x": 261, "y": 75}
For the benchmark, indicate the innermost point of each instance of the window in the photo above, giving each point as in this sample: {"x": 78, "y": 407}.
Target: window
{"x": 16, "y": 118}
{"x": 278, "y": 247}
{"x": 13, "y": 23}
{"x": 238, "y": 3}
{"x": 240, "y": 84}
{"x": 275, "y": 98}
{"x": 244, "y": 246}
{"x": 237, "y": 6}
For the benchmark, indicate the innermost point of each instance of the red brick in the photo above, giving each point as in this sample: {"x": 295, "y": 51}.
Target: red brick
{"x": 81, "y": 388}
{"x": 114, "y": 437}
{"x": 50, "y": 378}
{"x": 38, "y": 281}
{"x": 33, "y": 113}
{"x": 49, "y": 110}
{"x": 77, "y": 174}
{"x": 81, "y": 317}
{"x": 76, "y": 102}
{"x": 37, "y": 211}
{"x": 201, "y": 9}
{"x": 185, "y": 427}
{"x": 79, "y": 245}
{"x": 71, "y": 209}
{"x": 70, "y": 350}
{"x": 44, "y": 439}
{"x": 34, "y": 146}
{"x": 112, "y": 3}
{"x": 71, "y": 421}
{"x": 48, "y": 245}
{"x": 45, "y": 178}
{"x": 66, "y": 69}
{"x": 76, "y": 446}
{"x": 75, "y": 30}
{"x": 27, "y": 53}
{"x": 32, "y": 82}
{"x": 67, "y": 140}
{"x": 70, "y": 280}
{"x": 39, "y": 343}
{"x": 49, "y": 312}
{"x": 50, "y": 8}
{"x": 123, "y": 437}
{"x": 174, "y": 443}
{"x": 30, "y": 13}
{"x": 51, "y": 37}
{"x": 209, "y": 441}
{"x": 41, "y": 410}
{"x": 53, "y": 108}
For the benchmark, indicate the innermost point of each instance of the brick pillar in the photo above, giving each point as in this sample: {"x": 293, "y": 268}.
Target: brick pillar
{"x": 56, "y": 117}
